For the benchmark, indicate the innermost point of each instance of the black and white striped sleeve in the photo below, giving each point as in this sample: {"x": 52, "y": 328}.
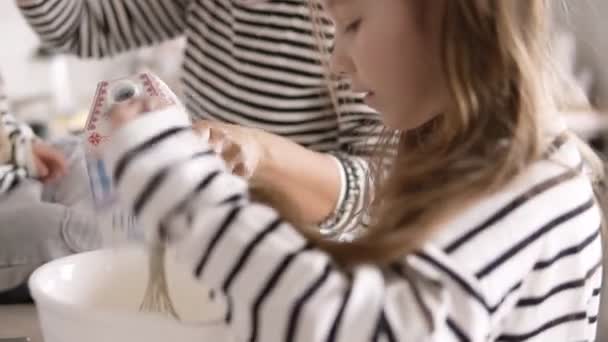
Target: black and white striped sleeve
{"x": 280, "y": 287}
{"x": 91, "y": 28}
{"x": 16, "y": 157}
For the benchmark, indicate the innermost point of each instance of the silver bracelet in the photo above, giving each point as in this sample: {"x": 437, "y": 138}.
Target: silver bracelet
{"x": 333, "y": 225}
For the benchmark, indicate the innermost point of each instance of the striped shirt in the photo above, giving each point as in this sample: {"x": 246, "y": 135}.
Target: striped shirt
{"x": 16, "y": 158}
{"x": 251, "y": 63}
{"x": 522, "y": 264}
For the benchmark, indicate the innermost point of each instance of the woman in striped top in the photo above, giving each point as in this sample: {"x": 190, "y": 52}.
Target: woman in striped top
{"x": 250, "y": 63}
{"x": 485, "y": 228}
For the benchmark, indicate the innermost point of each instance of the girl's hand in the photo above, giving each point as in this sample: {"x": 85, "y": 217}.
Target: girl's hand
{"x": 49, "y": 161}
{"x": 243, "y": 149}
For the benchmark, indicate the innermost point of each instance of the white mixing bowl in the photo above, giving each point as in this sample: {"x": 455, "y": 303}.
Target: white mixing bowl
{"x": 95, "y": 297}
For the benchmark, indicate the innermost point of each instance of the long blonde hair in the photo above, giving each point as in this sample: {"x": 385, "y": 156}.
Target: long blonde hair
{"x": 494, "y": 59}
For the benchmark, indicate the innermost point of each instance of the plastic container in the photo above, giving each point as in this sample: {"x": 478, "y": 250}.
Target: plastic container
{"x": 117, "y": 224}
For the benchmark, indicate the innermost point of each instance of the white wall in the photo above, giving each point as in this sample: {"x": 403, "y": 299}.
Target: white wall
{"x": 17, "y": 42}
{"x": 587, "y": 18}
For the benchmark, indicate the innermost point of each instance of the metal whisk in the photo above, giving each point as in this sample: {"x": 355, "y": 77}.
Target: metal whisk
{"x": 157, "y": 298}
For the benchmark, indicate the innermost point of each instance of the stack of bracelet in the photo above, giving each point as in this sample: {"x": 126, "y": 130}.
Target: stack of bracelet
{"x": 344, "y": 218}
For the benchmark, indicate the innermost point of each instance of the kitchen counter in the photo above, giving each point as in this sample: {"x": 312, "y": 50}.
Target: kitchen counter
{"x": 18, "y": 321}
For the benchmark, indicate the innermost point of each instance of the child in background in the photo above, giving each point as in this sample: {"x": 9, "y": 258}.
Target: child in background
{"x": 45, "y": 203}
{"x": 486, "y": 227}
{"x": 21, "y": 154}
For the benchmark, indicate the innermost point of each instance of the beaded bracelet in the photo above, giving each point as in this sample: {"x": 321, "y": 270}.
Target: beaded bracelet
{"x": 337, "y": 222}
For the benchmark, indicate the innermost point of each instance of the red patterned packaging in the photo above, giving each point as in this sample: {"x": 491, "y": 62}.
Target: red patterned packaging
{"x": 98, "y": 131}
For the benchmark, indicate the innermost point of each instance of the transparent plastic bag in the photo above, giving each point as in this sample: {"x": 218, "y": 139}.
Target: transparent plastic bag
{"x": 117, "y": 224}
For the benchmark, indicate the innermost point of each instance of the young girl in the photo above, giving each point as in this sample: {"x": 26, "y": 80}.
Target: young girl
{"x": 485, "y": 229}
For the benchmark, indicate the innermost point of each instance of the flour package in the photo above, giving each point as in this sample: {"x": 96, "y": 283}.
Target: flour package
{"x": 117, "y": 224}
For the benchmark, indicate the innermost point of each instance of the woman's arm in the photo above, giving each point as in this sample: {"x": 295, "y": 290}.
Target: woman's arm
{"x": 92, "y": 28}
